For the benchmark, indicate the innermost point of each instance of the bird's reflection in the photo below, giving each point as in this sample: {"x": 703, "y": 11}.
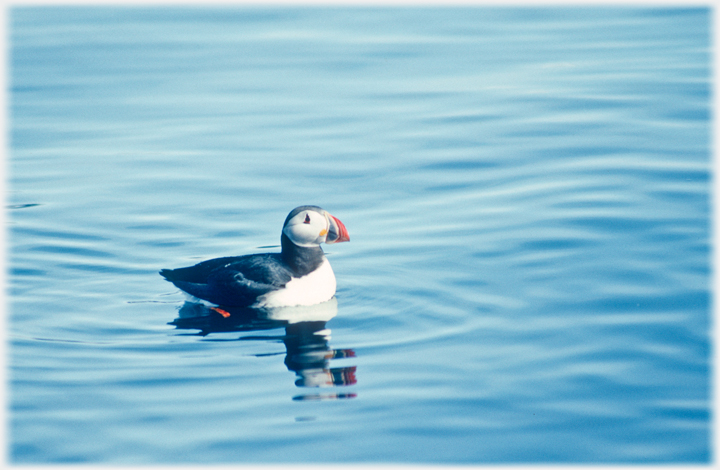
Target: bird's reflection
{"x": 306, "y": 338}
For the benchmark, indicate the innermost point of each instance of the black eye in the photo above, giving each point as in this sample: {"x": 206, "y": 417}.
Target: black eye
{"x": 307, "y": 219}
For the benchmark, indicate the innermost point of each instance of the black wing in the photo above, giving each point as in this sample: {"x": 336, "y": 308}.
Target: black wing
{"x": 232, "y": 281}
{"x": 200, "y": 272}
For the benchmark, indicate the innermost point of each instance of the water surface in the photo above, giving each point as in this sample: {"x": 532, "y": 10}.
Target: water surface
{"x": 527, "y": 193}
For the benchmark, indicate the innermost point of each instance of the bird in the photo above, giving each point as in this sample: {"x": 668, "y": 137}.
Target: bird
{"x": 300, "y": 275}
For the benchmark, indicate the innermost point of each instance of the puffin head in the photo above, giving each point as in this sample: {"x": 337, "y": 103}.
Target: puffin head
{"x": 309, "y": 226}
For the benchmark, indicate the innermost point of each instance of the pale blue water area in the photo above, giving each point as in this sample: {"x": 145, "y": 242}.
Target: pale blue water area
{"x": 527, "y": 194}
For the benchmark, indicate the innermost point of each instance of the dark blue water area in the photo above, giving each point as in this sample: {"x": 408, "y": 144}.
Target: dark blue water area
{"x": 527, "y": 192}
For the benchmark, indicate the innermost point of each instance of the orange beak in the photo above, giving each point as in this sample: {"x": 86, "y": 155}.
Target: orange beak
{"x": 337, "y": 233}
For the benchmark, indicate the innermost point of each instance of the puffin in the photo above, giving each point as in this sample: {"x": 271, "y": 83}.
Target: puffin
{"x": 300, "y": 275}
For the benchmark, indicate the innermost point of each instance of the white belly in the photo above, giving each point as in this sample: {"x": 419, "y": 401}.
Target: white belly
{"x": 314, "y": 288}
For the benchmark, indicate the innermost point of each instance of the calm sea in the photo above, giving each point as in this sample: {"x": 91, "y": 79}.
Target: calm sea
{"x": 527, "y": 192}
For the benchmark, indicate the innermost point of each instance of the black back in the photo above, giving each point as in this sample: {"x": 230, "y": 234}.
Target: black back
{"x": 240, "y": 280}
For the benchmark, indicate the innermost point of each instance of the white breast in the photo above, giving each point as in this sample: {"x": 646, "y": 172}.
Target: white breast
{"x": 314, "y": 288}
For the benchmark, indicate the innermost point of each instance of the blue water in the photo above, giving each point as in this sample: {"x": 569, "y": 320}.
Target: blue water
{"x": 526, "y": 190}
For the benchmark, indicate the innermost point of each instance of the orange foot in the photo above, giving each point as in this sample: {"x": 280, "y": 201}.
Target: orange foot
{"x": 221, "y": 312}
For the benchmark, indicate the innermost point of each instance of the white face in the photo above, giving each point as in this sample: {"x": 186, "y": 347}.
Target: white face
{"x": 307, "y": 228}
